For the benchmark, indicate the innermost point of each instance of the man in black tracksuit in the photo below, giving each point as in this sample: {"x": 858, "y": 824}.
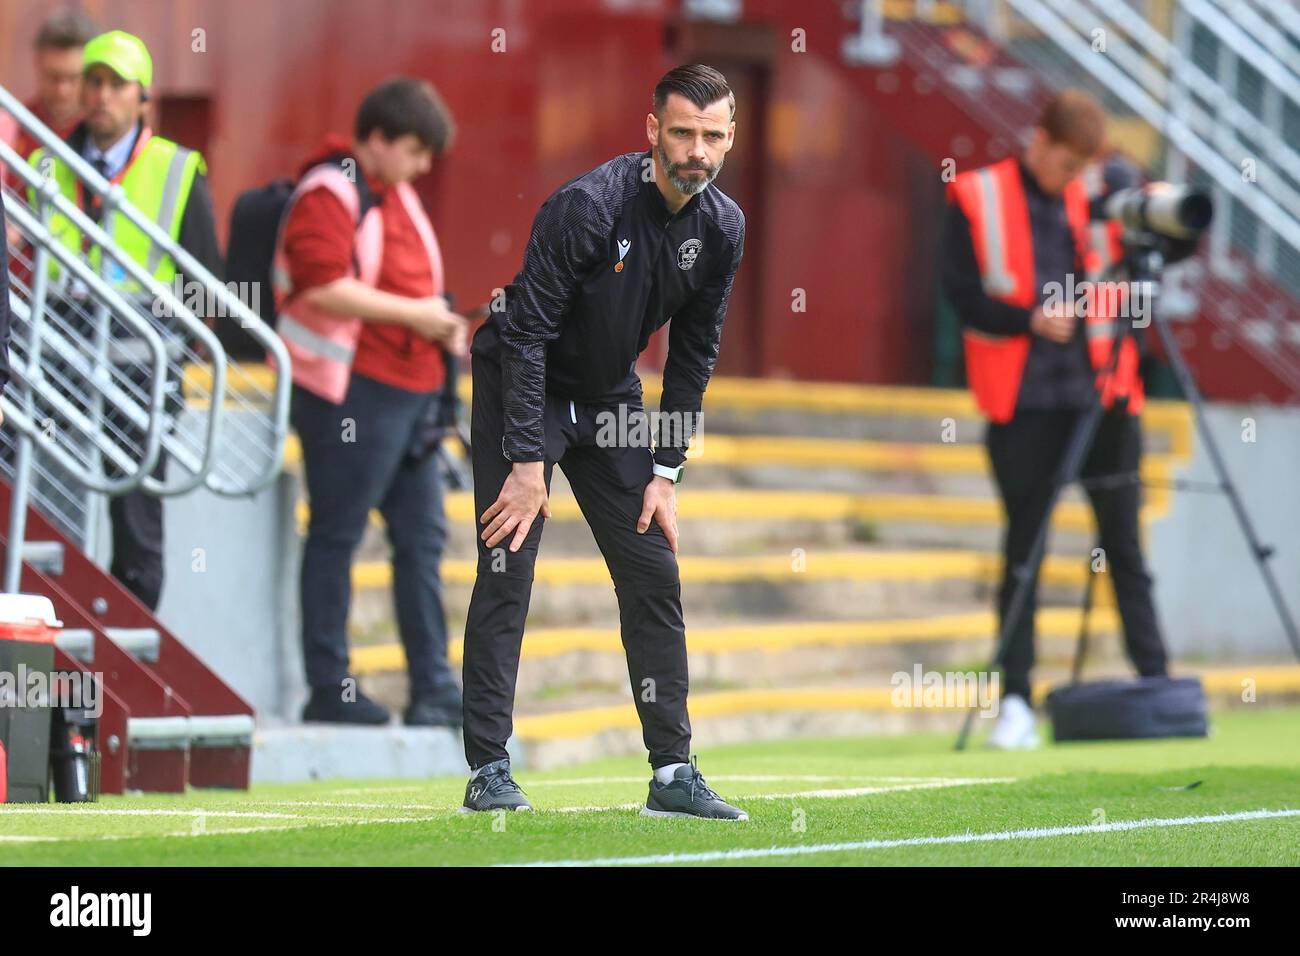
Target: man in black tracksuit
{"x": 613, "y": 255}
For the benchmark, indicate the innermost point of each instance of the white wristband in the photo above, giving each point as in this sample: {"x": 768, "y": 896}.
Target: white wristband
{"x": 672, "y": 474}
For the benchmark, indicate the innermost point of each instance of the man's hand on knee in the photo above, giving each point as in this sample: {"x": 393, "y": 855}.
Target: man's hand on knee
{"x": 522, "y": 496}
{"x": 660, "y": 503}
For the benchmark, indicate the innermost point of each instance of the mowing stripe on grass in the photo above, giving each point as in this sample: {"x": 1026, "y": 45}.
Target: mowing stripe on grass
{"x": 825, "y": 794}
{"x": 143, "y": 812}
{"x": 1033, "y": 833}
{"x": 748, "y": 778}
{"x": 303, "y": 823}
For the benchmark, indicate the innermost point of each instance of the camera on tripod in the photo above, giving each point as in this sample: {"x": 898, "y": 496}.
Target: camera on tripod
{"x": 1166, "y": 210}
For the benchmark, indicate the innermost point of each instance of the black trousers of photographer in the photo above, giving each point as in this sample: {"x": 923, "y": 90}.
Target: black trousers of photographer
{"x": 1026, "y": 455}
{"x": 609, "y": 482}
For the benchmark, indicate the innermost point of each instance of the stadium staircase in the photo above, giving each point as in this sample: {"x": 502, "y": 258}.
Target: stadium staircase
{"x": 91, "y": 408}
{"x": 1201, "y": 91}
{"x": 831, "y": 538}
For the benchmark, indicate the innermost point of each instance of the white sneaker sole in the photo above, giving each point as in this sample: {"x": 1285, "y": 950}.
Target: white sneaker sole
{"x": 647, "y": 812}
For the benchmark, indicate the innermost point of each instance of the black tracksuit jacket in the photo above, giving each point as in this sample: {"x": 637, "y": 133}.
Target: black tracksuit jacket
{"x": 574, "y": 323}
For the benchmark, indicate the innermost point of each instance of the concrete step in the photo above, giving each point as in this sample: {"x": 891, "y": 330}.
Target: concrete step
{"x": 807, "y": 409}
{"x": 559, "y": 665}
{"x": 829, "y": 464}
{"x": 745, "y": 521}
{"x": 847, "y": 707}
{"x": 766, "y": 407}
{"x": 886, "y": 413}
{"x": 293, "y": 753}
{"x": 793, "y": 463}
{"x": 842, "y": 584}
{"x": 850, "y": 707}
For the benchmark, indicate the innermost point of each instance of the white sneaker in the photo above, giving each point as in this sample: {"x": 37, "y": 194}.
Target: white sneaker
{"x": 1016, "y": 728}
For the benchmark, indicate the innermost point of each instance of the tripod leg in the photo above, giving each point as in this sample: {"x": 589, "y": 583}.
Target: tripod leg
{"x": 1081, "y": 648}
{"x": 1071, "y": 465}
{"x": 1258, "y": 551}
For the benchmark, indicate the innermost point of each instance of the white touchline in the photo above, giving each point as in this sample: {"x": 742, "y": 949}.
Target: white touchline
{"x": 332, "y": 804}
{"x": 308, "y": 823}
{"x": 145, "y": 812}
{"x": 1034, "y": 833}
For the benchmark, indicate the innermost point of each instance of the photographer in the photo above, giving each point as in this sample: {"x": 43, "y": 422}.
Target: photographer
{"x": 1016, "y": 232}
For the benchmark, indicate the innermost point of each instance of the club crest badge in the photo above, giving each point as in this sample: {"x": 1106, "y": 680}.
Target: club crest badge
{"x": 687, "y": 253}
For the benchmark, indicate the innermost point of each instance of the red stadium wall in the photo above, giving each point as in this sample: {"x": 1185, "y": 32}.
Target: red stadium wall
{"x": 831, "y": 194}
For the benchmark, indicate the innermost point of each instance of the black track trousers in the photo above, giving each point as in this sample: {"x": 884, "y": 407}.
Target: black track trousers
{"x": 609, "y": 484}
{"x": 1026, "y": 454}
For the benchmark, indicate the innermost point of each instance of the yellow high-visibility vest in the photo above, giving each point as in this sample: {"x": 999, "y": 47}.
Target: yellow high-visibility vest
{"x": 157, "y": 181}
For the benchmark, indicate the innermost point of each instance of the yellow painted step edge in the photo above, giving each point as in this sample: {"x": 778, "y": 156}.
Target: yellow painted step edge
{"x": 749, "y": 505}
{"x": 933, "y": 565}
{"x": 765, "y": 638}
{"x": 582, "y": 723}
{"x": 864, "y": 455}
{"x": 758, "y": 394}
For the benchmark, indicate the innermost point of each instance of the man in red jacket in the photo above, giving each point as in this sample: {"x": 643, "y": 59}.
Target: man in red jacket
{"x": 57, "y": 103}
{"x": 357, "y": 452}
{"x": 59, "y": 43}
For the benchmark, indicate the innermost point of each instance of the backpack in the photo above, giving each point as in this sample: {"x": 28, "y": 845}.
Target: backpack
{"x": 254, "y": 230}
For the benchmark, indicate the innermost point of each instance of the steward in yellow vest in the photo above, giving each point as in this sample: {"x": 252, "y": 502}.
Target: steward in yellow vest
{"x": 167, "y": 183}
{"x": 158, "y": 179}
{"x": 162, "y": 179}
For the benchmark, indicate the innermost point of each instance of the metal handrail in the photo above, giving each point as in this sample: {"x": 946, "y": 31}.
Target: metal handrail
{"x": 1287, "y": 16}
{"x": 1175, "y": 128}
{"x": 1264, "y": 32}
{"x": 106, "y": 295}
{"x": 1244, "y": 46}
{"x": 1003, "y": 105}
{"x": 1083, "y": 17}
{"x": 115, "y": 202}
{"x": 29, "y": 372}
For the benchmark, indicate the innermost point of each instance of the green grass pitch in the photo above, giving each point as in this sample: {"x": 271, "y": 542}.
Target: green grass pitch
{"x": 874, "y": 801}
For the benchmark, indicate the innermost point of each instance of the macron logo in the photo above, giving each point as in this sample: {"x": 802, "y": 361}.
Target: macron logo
{"x": 102, "y": 909}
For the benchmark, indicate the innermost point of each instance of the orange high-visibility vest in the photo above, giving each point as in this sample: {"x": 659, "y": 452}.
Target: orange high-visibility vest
{"x": 321, "y": 344}
{"x": 993, "y": 201}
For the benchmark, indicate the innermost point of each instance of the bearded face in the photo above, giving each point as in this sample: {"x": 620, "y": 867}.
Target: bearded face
{"x": 687, "y": 177}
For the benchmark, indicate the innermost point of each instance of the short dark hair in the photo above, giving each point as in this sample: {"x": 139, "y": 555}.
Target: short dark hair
{"x": 66, "y": 30}
{"x": 702, "y": 85}
{"x": 406, "y": 105}
{"x": 1074, "y": 118}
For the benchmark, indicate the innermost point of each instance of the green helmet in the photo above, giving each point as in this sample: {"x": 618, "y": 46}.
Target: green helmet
{"x": 124, "y": 54}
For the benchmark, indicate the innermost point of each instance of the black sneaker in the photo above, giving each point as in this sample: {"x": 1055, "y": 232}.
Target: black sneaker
{"x": 435, "y": 711}
{"x": 687, "y": 795}
{"x": 327, "y": 706}
{"x": 494, "y": 789}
